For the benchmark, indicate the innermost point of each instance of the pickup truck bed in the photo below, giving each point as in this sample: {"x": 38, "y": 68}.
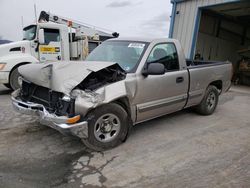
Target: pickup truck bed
{"x": 204, "y": 73}
{"x": 195, "y": 63}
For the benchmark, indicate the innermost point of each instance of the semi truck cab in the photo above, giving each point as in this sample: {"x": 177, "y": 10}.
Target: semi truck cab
{"x": 51, "y": 39}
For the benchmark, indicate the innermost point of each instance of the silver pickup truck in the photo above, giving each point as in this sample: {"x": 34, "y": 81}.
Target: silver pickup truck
{"x": 123, "y": 82}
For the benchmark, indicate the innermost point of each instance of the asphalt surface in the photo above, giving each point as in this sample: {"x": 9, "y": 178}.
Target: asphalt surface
{"x": 179, "y": 150}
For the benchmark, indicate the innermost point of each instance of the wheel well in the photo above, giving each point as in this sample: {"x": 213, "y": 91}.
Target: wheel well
{"x": 16, "y": 66}
{"x": 217, "y": 84}
{"x": 124, "y": 102}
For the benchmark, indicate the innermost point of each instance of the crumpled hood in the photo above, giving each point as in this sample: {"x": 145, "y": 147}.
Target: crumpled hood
{"x": 61, "y": 76}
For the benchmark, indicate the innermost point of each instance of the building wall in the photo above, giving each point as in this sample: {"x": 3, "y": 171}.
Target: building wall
{"x": 217, "y": 49}
{"x": 220, "y": 42}
{"x": 185, "y": 20}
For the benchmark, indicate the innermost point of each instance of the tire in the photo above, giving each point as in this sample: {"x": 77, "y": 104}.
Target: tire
{"x": 209, "y": 102}
{"x": 14, "y": 79}
{"x": 7, "y": 85}
{"x": 108, "y": 127}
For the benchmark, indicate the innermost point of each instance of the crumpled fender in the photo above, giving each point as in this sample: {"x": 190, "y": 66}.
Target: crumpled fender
{"x": 85, "y": 101}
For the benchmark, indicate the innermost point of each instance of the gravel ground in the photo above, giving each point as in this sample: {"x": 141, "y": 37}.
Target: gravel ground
{"x": 179, "y": 150}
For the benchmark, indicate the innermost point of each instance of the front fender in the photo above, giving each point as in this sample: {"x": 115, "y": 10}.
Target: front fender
{"x": 15, "y": 59}
{"x": 85, "y": 101}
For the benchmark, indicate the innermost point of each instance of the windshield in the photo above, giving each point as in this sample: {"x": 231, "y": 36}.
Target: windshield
{"x": 126, "y": 53}
{"x": 29, "y": 33}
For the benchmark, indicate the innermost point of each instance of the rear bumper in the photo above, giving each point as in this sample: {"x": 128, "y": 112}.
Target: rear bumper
{"x": 79, "y": 129}
{"x": 4, "y": 77}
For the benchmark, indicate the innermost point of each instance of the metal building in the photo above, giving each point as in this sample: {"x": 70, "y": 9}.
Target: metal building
{"x": 214, "y": 30}
{"x": 194, "y": 20}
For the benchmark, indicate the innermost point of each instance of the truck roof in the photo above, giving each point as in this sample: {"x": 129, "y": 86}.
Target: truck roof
{"x": 57, "y": 25}
{"x": 143, "y": 39}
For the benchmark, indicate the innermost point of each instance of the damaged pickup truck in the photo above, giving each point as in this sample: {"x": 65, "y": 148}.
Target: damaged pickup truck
{"x": 122, "y": 82}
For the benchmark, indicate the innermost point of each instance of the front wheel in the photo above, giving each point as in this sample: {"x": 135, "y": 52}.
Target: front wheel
{"x": 107, "y": 127}
{"x": 209, "y": 102}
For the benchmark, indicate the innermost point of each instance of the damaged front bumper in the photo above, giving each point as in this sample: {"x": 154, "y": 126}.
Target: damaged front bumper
{"x": 60, "y": 123}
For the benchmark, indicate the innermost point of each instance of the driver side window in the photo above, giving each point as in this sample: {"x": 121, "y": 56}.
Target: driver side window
{"x": 165, "y": 54}
{"x": 51, "y": 35}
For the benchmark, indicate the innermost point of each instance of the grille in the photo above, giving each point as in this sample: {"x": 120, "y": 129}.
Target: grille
{"x": 51, "y": 100}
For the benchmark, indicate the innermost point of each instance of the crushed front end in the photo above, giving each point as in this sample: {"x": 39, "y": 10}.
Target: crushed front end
{"x": 63, "y": 102}
{"x": 54, "y": 109}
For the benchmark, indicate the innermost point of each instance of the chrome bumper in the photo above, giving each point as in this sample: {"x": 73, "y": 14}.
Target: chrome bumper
{"x": 59, "y": 123}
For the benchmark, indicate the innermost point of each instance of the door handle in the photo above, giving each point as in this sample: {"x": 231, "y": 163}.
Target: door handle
{"x": 179, "y": 79}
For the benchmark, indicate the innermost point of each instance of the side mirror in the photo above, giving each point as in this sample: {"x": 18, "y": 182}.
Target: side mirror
{"x": 154, "y": 69}
{"x": 41, "y": 38}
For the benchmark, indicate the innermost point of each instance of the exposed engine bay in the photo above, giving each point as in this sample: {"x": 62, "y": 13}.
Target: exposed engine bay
{"x": 102, "y": 77}
{"x": 53, "y": 101}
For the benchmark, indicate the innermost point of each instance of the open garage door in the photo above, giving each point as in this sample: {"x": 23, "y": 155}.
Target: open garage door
{"x": 224, "y": 34}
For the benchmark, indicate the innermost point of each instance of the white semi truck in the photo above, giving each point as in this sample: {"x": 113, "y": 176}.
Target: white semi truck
{"x": 52, "y": 38}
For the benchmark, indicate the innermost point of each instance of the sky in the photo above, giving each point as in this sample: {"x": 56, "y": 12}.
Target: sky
{"x": 145, "y": 18}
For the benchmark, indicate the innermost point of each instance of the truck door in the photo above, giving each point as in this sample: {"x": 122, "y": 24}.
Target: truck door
{"x": 52, "y": 49}
{"x": 162, "y": 94}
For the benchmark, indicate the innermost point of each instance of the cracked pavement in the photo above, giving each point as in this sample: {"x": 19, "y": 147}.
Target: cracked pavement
{"x": 178, "y": 150}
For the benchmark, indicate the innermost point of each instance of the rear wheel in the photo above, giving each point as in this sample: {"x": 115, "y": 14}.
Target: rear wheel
{"x": 107, "y": 127}
{"x": 14, "y": 84}
{"x": 209, "y": 102}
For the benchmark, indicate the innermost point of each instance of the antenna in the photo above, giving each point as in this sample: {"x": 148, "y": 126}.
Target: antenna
{"x": 35, "y": 12}
{"x": 22, "y": 21}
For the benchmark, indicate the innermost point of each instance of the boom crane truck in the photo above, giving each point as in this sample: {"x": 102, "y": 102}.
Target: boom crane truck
{"x": 52, "y": 38}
